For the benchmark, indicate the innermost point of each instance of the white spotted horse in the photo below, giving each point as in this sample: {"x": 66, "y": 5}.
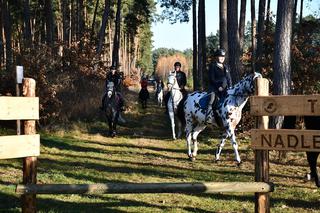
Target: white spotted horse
{"x": 176, "y": 97}
{"x": 228, "y": 111}
{"x": 112, "y": 108}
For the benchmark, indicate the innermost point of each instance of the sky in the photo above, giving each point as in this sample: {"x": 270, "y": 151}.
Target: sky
{"x": 179, "y": 35}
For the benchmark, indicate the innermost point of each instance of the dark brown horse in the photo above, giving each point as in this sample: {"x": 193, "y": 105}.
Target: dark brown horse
{"x": 143, "y": 97}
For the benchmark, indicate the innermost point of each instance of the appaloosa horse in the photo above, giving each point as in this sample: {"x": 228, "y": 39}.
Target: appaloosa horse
{"x": 229, "y": 111}
{"x": 175, "y": 97}
{"x": 112, "y": 108}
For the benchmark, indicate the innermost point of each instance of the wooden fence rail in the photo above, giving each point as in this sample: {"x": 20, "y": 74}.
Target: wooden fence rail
{"x": 126, "y": 188}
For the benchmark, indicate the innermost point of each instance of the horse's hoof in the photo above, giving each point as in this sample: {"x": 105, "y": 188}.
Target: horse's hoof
{"x": 191, "y": 158}
{"x": 217, "y": 161}
{"x": 238, "y": 164}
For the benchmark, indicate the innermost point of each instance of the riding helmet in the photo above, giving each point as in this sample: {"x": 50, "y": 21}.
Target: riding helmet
{"x": 220, "y": 52}
{"x": 177, "y": 64}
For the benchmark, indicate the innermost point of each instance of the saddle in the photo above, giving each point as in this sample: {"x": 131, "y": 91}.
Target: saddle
{"x": 204, "y": 102}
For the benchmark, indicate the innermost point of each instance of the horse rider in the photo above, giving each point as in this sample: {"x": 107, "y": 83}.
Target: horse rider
{"x": 160, "y": 85}
{"x": 144, "y": 83}
{"x": 144, "y": 94}
{"x": 219, "y": 79}
{"x": 181, "y": 79}
{"x": 116, "y": 78}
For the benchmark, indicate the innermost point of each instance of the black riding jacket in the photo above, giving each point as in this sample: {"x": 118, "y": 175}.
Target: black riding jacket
{"x": 181, "y": 79}
{"x": 115, "y": 78}
{"x": 219, "y": 77}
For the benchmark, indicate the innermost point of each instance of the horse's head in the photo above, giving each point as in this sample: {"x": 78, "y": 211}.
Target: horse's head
{"x": 172, "y": 82}
{"x": 246, "y": 85}
{"x": 110, "y": 89}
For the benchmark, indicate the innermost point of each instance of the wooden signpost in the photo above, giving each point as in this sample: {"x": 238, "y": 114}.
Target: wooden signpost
{"x": 264, "y": 139}
{"x": 285, "y": 105}
{"x": 286, "y": 139}
{"x": 25, "y": 146}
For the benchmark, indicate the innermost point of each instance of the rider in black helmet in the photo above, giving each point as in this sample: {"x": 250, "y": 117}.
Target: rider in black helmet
{"x": 181, "y": 79}
{"x": 115, "y": 77}
{"x": 219, "y": 78}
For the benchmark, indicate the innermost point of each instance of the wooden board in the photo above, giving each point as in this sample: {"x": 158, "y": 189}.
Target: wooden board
{"x": 18, "y": 146}
{"x": 285, "y": 105}
{"x": 19, "y": 108}
{"x": 285, "y": 139}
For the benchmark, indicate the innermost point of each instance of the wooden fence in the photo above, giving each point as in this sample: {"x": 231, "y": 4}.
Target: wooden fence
{"x": 25, "y": 146}
{"x": 28, "y": 147}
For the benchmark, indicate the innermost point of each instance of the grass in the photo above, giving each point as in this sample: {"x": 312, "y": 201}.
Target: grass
{"x": 144, "y": 152}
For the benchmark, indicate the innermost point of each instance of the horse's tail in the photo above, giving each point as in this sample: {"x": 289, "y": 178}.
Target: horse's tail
{"x": 180, "y": 110}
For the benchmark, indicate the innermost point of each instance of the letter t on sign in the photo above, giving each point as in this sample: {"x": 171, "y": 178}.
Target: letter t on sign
{"x": 312, "y": 104}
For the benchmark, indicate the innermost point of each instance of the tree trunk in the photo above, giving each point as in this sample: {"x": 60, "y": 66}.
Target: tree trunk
{"x": 81, "y": 23}
{"x": 65, "y": 21}
{"x": 103, "y": 26}
{"x": 73, "y": 22}
{"x": 268, "y": 21}
{"x": 49, "y": 22}
{"x": 7, "y": 34}
{"x": 282, "y": 52}
{"x": 94, "y": 20}
{"x": 223, "y": 37}
{"x": 253, "y": 35}
{"x": 201, "y": 42}
{"x": 260, "y": 34}
{"x": 1, "y": 35}
{"x": 116, "y": 40}
{"x": 301, "y": 11}
{"x": 233, "y": 39}
{"x": 195, "y": 74}
{"x": 27, "y": 26}
{"x": 242, "y": 24}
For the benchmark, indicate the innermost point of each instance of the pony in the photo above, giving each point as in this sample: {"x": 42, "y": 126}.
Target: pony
{"x": 143, "y": 97}
{"x": 226, "y": 114}
{"x": 159, "y": 94}
{"x": 175, "y": 97}
{"x": 112, "y": 108}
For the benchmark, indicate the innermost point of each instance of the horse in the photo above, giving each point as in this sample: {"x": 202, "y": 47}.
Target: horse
{"x": 159, "y": 95}
{"x": 143, "y": 97}
{"x": 112, "y": 108}
{"x": 175, "y": 97}
{"x": 226, "y": 115}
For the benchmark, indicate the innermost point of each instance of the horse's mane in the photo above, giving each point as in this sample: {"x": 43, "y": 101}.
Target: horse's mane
{"x": 240, "y": 88}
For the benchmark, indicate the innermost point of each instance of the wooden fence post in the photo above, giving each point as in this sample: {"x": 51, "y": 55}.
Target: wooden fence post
{"x": 262, "y": 200}
{"x": 29, "y": 163}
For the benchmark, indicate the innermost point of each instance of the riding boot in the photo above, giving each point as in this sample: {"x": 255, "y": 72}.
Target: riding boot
{"x": 208, "y": 111}
{"x": 102, "y": 102}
